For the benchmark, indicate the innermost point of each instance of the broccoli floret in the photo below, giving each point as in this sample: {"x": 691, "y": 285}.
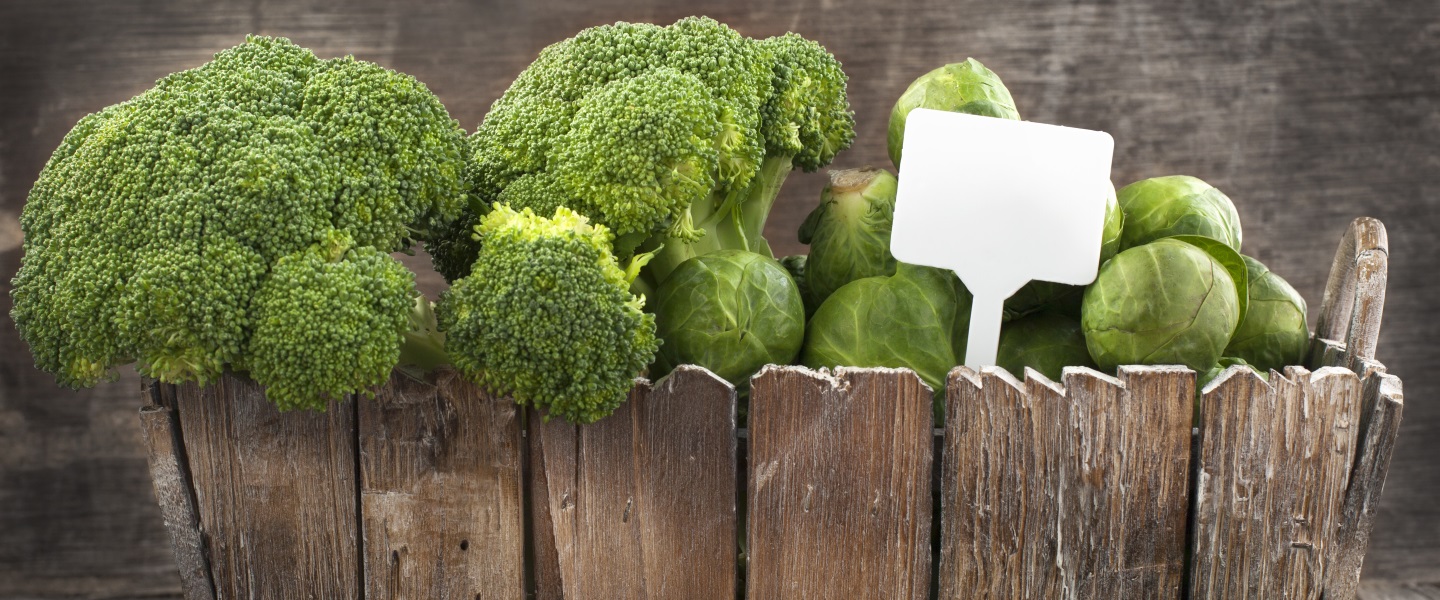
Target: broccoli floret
{"x": 546, "y": 316}
{"x": 328, "y": 322}
{"x": 675, "y": 138}
{"x": 159, "y": 223}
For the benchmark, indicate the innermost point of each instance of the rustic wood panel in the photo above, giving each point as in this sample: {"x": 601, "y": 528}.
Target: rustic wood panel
{"x": 1273, "y": 467}
{"x": 440, "y": 491}
{"x": 839, "y": 484}
{"x": 642, "y": 503}
{"x": 1073, "y": 492}
{"x": 170, "y": 473}
{"x": 1354, "y": 300}
{"x": 1307, "y": 114}
{"x": 276, "y": 491}
{"x": 1382, "y": 405}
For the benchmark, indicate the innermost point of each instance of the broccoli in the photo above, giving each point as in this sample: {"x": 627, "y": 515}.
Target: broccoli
{"x": 240, "y": 215}
{"x": 674, "y": 138}
{"x": 546, "y": 315}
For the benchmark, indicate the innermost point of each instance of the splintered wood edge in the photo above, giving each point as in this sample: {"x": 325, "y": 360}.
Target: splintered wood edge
{"x": 687, "y": 375}
{"x": 170, "y": 477}
{"x": 839, "y": 378}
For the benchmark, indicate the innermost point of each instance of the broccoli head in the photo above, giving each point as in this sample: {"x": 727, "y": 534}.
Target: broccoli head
{"x": 178, "y": 229}
{"x": 546, "y": 315}
{"x": 675, "y": 138}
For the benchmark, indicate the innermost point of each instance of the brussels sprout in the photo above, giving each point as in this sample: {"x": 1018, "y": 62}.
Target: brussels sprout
{"x": 1177, "y": 205}
{"x": 1167, "y": 302}
{"x": 731, "y": 312}
{"x": 1273, "y": 333}
{"x": 966, "y": 87}
{"x": 849, "y": 233}
{"x": 1061, "y": 298}
{"x": 1047, "y": 342}
{"x": 917, "y": 318}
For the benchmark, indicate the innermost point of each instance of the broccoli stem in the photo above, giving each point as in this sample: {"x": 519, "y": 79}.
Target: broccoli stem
{"x": 733, "y": 220}
{"x": 424, "y": 346}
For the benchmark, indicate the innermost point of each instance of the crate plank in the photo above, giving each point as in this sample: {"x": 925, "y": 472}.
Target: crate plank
{"x": 1273, "y": 466}
{"x": 1382, "y": 406}
{"x": 440, "y": 491}
{"x": 171, "y": 478}
{"x": 839, "y": 484}
{"x": 276, "y": 492}
{"x": 642, "y": 503}
{"x": 1354, "y": 300}
{"x": 1073, "y": 492}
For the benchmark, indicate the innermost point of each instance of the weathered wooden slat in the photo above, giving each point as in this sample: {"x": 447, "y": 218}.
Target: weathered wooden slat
{"x": 1382, "y": 406}
{"x": 1273, "y": 466}
{"x": 276, "y": 492}
{"x": 839, "y": 484}
{"x": 1073, "y": 492}
{"x": 642, "y": 503}
{"x": 1354, "y": 300}
{"x": 996, "y": 505}
{"x": 171, "y": 478}
{"x": 440, "y": 492}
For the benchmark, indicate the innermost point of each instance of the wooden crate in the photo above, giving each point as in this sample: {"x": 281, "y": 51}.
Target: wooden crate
{"x": 1091, "y": 487}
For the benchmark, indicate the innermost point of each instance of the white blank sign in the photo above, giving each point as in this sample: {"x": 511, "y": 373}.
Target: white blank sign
{"x": 1000, "y": 203}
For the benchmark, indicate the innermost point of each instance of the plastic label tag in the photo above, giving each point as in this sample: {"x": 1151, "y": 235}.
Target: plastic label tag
{"x": 1000, "y": 203}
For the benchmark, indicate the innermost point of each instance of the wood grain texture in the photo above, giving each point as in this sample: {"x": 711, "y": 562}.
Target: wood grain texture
{"x": 276, "y": 492}
{"x": 1274, "y": 463}
{"x": 640, "y": 504}
{"x": 440, "y": 491}
{"x": 1354, "y": 300}
{"x": 839, "y": 484}
{"x": 1306, "y": 114}
{"x": 1382, "y": 406}
{"x": 1065, "y": 492}
{"x": 169, "y": 471}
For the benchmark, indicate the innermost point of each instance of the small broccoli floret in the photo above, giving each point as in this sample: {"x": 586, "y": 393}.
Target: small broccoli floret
{"x": 329, "y": 321}
{"x": 546, "y": 316}
{"x": 680, "y": 134}
{"x": 157, "y": 221}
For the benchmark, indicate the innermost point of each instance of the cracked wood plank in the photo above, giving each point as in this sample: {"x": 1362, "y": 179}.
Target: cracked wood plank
{"x": 839, "y": 492}
{"x": 171, "y": 478}
{"x": 1274, "y": 462}
{"x": 440, "y": 494}
{"x": 640, "y": 504}
{"x": 1065, "y": 492}
{"x": 276, "y": 492}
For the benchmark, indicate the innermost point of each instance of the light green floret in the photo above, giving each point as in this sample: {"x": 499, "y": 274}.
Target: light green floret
{"x": 156, "y": 222}
{"x": 546, "y": 316}
{"x": 329, "y": 321}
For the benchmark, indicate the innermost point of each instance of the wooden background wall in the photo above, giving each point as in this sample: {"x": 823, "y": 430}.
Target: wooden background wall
{"x": 1306, "y": 113}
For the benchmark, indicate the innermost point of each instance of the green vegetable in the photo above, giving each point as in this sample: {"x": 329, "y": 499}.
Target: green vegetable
{"x": 1061, "y": 298}
{"x": 546, "y": 316}
{"x": 1167, "y": 302}
{"x": 1209, "y": 375}
{"x": 795, "y": 264}
{"x": 917, "y": 318}
{"x": 1177, "y": 205}
{"x": 849, "y": 232}
{"x": 239, "y": 215}
{"x": 965, "y": 87}
{"x": 675, "y": 138}
{"x": 1273, "y": 333}
{"x": 1047, "y": 342}
{"x": 355, "y": 304}
{"x": 731, "y": 312}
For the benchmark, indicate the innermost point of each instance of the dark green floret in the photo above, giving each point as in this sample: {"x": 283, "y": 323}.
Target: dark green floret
{"x": 176, "y": 230}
